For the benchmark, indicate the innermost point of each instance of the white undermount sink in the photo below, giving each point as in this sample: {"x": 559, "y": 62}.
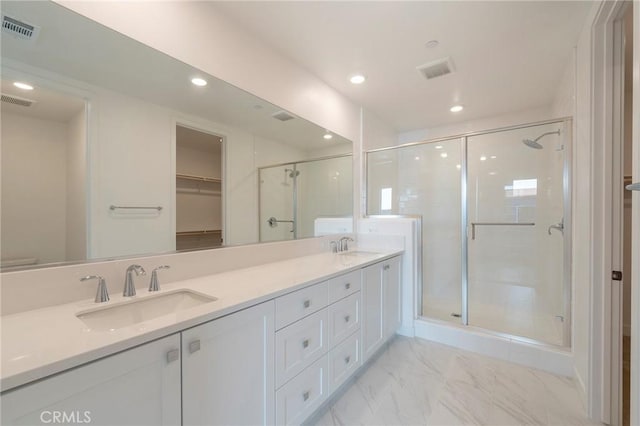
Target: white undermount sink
{"x": 140, "y": 310}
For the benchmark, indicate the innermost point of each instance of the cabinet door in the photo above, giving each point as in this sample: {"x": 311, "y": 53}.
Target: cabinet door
{"x": 372, "y": 330}
{"x": 227, "y": 369}
{"x": 392, "y": 296}
{"x": 140, "y": 386}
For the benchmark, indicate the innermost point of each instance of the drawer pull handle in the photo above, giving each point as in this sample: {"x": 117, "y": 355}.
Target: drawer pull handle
{"x": 194, "y": 346}
{"x": 386, "y": 267}
{"x": 307, "y": 303}
{"x": 347, "y": 360}
{"x": 347, "y": 286}
{"x": 347, "y": 318}
{"x": 173, "y": 355}
{"x": 305, "y": 395}
{"x": 305, "y": 343}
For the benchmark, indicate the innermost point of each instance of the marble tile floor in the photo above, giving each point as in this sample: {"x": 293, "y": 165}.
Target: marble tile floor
{"x": 417, "y": 382}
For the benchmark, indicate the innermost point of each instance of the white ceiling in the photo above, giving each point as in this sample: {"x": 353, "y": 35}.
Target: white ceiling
{"x": 508, "y": 56}
{"x": 47, "y": 104}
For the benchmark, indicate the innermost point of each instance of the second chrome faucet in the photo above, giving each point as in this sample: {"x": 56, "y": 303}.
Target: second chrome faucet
{"x": 129, "y": 286}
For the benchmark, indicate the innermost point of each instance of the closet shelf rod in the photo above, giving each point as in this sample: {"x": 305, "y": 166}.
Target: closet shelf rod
{"x": 113, "y": 207}
{"x": 198, "y": 178}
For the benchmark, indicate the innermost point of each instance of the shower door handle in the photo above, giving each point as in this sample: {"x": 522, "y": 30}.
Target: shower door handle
{"x": 273, "y": 222}
{"x": 474, "y": 224}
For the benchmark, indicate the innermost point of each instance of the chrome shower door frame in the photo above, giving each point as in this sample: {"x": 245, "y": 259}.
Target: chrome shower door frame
{"x": 567, "y": 124}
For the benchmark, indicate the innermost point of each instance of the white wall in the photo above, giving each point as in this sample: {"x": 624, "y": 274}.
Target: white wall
{"x": 34, "y": 201}
{"x": 229, "y": 53}
{"x": 564, "y": 104}
{"x": 130, "y": 165}
{"x": 581, "y": 191}
{"x": 76, "y": 184}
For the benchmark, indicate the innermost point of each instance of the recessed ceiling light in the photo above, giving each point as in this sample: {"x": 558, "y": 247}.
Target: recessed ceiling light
{"x": 444, "y": 155}
{"x": 357, "y": 79}
{"x": 327, "y": 136}
{"x": 417, "y": 158}
{"x": 432, "y": 43}
{"x": 438, "y": 147}
{"x": 199, "y": 81}
{"x": 492, "y": 173}
{"x": 483, "y": 158}
{"x": 458, "y": 166}
{"x": 23, "y": 86}
{"x": 493, "y": 157}
{"x": 456, "y": 108}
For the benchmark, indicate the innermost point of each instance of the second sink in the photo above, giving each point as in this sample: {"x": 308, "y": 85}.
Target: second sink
{"x": 136, "y": 311}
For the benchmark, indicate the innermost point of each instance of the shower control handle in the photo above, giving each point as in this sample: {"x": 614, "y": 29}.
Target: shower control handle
{"x": 559, "y": 226}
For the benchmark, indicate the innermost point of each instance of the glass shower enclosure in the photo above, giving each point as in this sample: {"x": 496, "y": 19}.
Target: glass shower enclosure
{"x": 494, "y": 208}
{"x": 293, "y": 195}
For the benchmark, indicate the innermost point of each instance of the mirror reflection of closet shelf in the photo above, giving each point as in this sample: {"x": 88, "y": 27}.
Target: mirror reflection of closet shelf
{"x": 199, "y": 194}
{"x": 191, "y": 184}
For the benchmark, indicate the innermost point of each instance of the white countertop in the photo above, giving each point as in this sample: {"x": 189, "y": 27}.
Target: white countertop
{"x": 42, "y": 342}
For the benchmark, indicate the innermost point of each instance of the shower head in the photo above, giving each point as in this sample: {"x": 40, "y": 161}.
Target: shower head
{"x": 293, "y": 173}
{"x": 533, "y": 143}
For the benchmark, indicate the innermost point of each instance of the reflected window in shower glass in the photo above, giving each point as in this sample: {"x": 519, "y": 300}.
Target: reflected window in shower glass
{"x": 386, "y": 195}
{"x": 522, "y": 188}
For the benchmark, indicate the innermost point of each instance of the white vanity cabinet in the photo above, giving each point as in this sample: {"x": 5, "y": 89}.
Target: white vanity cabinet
{"x": 316, "y": 352}
{"x": 381, "y": 304}
{"x": 392, "y": 302}
{"x": 227, "y": 369}
{"x": 273, "y": 363}
{"x": 140, "y": 386}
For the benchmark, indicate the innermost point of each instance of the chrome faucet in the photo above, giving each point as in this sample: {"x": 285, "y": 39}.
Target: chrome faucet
{"x": 343, "y": 243}
{"x": 129, "y": 287}
{"x": 102, "y": 295}
{"x": 154, "y": 284}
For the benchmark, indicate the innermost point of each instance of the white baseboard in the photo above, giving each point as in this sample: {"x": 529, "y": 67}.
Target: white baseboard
{"x": 406, "y": 331}
{"x": 582, "y": 390}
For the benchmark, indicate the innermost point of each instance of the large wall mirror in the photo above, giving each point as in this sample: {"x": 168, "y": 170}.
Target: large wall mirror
{"x": 109, "y": 149}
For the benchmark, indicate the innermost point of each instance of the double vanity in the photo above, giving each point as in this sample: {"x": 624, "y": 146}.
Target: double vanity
{"x": 267, "y": 344}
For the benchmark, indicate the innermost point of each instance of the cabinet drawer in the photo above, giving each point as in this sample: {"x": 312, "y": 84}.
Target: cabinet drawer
{"x": 293, "y": 306}
{"x": 343, "y": 361}
{"x": 344, "y": 285}
{"x": 344, "y": 319}
{"x": 299, "y": 345}
{"x": 296, "y": 400}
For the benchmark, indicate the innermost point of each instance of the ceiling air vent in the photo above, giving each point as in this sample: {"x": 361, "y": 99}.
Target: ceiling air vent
{"x": 18, "y": 28}
{"x": 17, "y": 100}
{"x": 436, "y": 68}
{"x": 282, "y": 116}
